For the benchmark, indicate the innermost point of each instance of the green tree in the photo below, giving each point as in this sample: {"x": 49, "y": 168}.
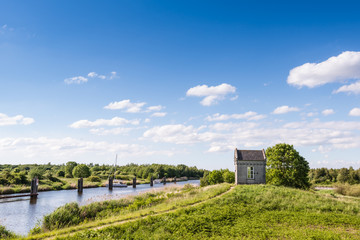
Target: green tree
{"x": 215, "y": 177}
{"x": 69, "y": 169}
{"x": 81, "y": 170}
{"x": 228, "y": 176}
{"x": 285, "y": 166}
{"x": 37, "y": 172}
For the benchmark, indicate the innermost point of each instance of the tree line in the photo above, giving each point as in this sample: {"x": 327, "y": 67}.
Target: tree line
{"x": 22, "y": 174}
{"x": 328, "y": 176}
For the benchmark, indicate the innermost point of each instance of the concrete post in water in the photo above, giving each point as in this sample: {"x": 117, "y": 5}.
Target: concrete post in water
{"x": 34, "y": 187}
{"x": 80, "y": 185}
{"x": 175, "y": 180}
{"x": 134, "y": 182}
{"x": 164, "y": 180}
{"x": 151, "y": 182}
{"x": 110, "y": 183}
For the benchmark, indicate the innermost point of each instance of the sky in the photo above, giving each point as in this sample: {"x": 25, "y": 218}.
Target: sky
{"x": 178, "y": 82}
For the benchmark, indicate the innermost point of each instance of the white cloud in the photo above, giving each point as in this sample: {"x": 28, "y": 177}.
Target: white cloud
{"x": 211, "y": 94}
{"x": 113, "y": 131}
{"x": 155, "y": 108}
{"x": 76, "y": 80}
{"x": 64, "y": 149}
{"x": 285, "y": 109}
{"x": 113, "y": 75}
{"x": 351, "y": 88}
{"x": 327, "y": 112}
{"x": 355, "y": 112}
{"x": 311, "y": 114}
{"x": 116, "y": 121}
{"x": 147, "y": 120}
{"x": 92, "y": 74}
{"x": 127, "y": 105}
{"x": 159, "y": 114}
{"x": 177, "y": 133}
{"x": 345, "y": 66}
{"x": 5, "y": 120}
{"x": 223, "y": 117}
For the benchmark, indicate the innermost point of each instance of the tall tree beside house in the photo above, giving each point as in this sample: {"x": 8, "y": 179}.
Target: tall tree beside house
{"x": 285, "y": 166}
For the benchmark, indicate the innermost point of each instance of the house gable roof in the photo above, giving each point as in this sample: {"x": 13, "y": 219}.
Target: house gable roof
{"x": 250, "y": 155}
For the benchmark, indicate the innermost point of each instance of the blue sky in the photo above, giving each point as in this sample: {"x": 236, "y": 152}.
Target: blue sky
{"x": 178, "y": 81}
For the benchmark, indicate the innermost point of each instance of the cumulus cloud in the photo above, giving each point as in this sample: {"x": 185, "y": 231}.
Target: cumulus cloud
{"x": 343, "y": 67}
{"x": 127, "y": 105}
{"x": 351, "y": 88}
{"x": 5, "y": 120}
{"x": 327, "y": 112}
{"x": 178, "y": 134}
{"x": 64, "y": 149}
{"x": 76, "y": 80}
{"x": 159, "y": 114}
{"x": 285, "y": 109}
{"x": 116, "y": 121}
{"x": 211, "y": 94}
{"x": 113, "y": 131}
{"x": 155, "y": 108}
{"x": 223, "y": 117}
{"x": 355, "y": 112}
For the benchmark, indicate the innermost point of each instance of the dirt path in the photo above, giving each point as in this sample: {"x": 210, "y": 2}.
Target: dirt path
{"x": 141, "y": 217}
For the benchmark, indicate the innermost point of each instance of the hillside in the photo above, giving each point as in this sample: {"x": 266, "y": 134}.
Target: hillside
{"x": 245, "y": 212}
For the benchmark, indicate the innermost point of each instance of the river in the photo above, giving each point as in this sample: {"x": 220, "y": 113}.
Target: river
{"x": 20, "y": 214}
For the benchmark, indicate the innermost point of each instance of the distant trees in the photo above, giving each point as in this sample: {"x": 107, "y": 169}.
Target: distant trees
{"x": 217, "y": 176}
{"x": 81, "y": 170}
{"x": 285, "y": 166}
{"x": 328, "y": 176}
{"x": 69, "y": 169}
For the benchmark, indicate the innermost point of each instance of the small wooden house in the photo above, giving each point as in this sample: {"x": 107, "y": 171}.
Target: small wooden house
{"x": 250, "y": 166}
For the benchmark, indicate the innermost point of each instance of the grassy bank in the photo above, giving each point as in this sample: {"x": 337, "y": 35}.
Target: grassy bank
{"x": 247, "y": 212}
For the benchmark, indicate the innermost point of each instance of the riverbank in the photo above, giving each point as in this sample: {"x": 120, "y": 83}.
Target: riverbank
{"x": 71, "y": 183}
{"x": 246, "y": 211}
{"x": 21, "y": 214}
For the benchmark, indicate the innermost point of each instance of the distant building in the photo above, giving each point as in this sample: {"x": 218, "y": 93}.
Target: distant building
{"x": 250, "y": 166}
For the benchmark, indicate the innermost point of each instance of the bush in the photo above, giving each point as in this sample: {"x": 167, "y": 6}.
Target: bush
{"x": 37, "y": 172}
{"x": 81, "y": 170}
{"x": 94, "y": 179}
{"x": 62, "y": 217}
{"x": 61, "y": 173}
{"x": 5, "y": 233}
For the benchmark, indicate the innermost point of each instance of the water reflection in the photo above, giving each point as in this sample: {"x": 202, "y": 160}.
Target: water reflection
{"x": 21, "y": 214}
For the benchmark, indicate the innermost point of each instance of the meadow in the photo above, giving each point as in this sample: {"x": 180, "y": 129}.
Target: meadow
{"x": 212, "y": 212}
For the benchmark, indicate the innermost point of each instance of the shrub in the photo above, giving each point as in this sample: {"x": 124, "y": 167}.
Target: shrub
{"x": 37, "y": 172}
{"x": 62, "y": 217}
{"x": 94, "y": 179}
{"x": 61, "y": 173}
{"x": 5, "y": 233}
{"x": 81, "y": 170}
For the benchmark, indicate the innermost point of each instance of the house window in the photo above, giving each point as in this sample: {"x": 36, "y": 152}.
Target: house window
{"x": 250, "y": 172}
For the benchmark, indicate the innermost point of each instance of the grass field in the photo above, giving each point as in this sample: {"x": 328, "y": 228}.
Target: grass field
{"x": 218, "y": 212}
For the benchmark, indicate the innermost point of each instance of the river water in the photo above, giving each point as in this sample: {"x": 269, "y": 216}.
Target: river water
{"x": 20, "y": 214}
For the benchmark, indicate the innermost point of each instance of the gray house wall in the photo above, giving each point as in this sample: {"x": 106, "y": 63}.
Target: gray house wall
{"x": 241, "y": 166}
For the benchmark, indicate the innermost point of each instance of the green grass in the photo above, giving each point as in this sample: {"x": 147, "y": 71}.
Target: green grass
{"x": 133, "y": 207}
{"x": 247, "y": 212}
{"x": 6, "y": 234}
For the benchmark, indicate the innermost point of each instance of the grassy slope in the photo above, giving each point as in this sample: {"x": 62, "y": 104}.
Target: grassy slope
{"x": 247, "y": 212}
{"x": 174, "y": 199}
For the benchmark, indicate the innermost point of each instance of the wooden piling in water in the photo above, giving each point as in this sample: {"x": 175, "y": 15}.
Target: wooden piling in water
{"x": 174, "y": 180}
{"x": 134, "y": 182}
{"x": 80, "y": 185}
{"x": 34, "y": 187}
{"x": 151, "y": 181}
{"x": 164, "y": 180}
{"x": 111, "y": 180}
